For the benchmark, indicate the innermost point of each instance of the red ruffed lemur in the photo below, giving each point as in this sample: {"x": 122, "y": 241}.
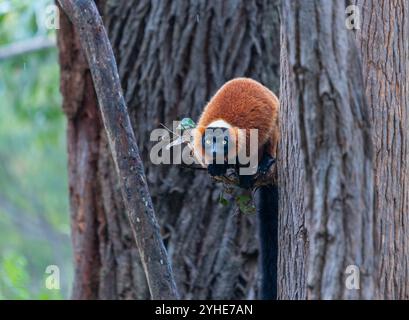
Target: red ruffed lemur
{"x": 222, "y": 132}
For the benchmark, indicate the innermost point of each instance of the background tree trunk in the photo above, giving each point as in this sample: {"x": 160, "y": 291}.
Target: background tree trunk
{"x": 293, "y": 237}
{"x": 331, "y": 114}
{"x": 383, "y": 40}
{"x": 172, "y": 56}
{"x": 106, "y": 260}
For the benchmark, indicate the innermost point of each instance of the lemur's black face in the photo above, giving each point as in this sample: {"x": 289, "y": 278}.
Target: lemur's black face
{"x": 215, "y": 142}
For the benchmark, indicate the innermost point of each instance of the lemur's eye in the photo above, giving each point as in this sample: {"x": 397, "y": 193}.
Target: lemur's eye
{"x": 224, "y": 142}
{"x": 208, "y": 142}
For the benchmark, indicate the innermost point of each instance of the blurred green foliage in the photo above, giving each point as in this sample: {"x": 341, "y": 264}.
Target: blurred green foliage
{"x": 34, "y": 218}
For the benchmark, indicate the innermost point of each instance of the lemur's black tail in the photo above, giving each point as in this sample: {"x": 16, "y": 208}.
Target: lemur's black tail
{"x": 267, "y": 212}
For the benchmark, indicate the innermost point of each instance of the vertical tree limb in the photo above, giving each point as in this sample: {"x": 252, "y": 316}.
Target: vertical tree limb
{"x": 83, "y": 126}
{"x": 138, "y": 203}
{"x": 293, "y": 237}
{"x": 383, "y": 42}
{"x": 332, "y": 117}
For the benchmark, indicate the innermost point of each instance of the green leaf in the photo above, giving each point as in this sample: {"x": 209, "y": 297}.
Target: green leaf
{"x": 243, "y": 199}
{"x": 245, "y": 204}
{"x": 224, "y": 201}
{"x": 186, "y": 123}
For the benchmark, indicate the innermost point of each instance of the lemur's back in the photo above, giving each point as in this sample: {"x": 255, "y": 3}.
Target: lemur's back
{"x": 245, "y": 104}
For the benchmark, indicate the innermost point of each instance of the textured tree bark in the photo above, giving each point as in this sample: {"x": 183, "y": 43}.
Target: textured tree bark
{"x": 94, "y": 41}
{"x": 172, "y": 56}
{"x": 383, "y": 40}
{"x": 293, "y": 238}
{"x": 84, "y": 125}
{"x": 333, "y": 120}
{"x": 107, "y": 265}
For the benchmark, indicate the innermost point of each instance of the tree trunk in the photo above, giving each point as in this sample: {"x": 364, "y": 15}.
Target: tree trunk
{"x": 332, "y": 118}
{"x": 106, "y": 260}
{"x": 293, "y": 238}
{"x": 97, "y": 48}
{"x": 172, "y": 56}
{"x": 383, "y": 40}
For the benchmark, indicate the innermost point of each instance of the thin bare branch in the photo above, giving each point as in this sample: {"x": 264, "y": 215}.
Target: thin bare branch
{"x": 26, "y": 46}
